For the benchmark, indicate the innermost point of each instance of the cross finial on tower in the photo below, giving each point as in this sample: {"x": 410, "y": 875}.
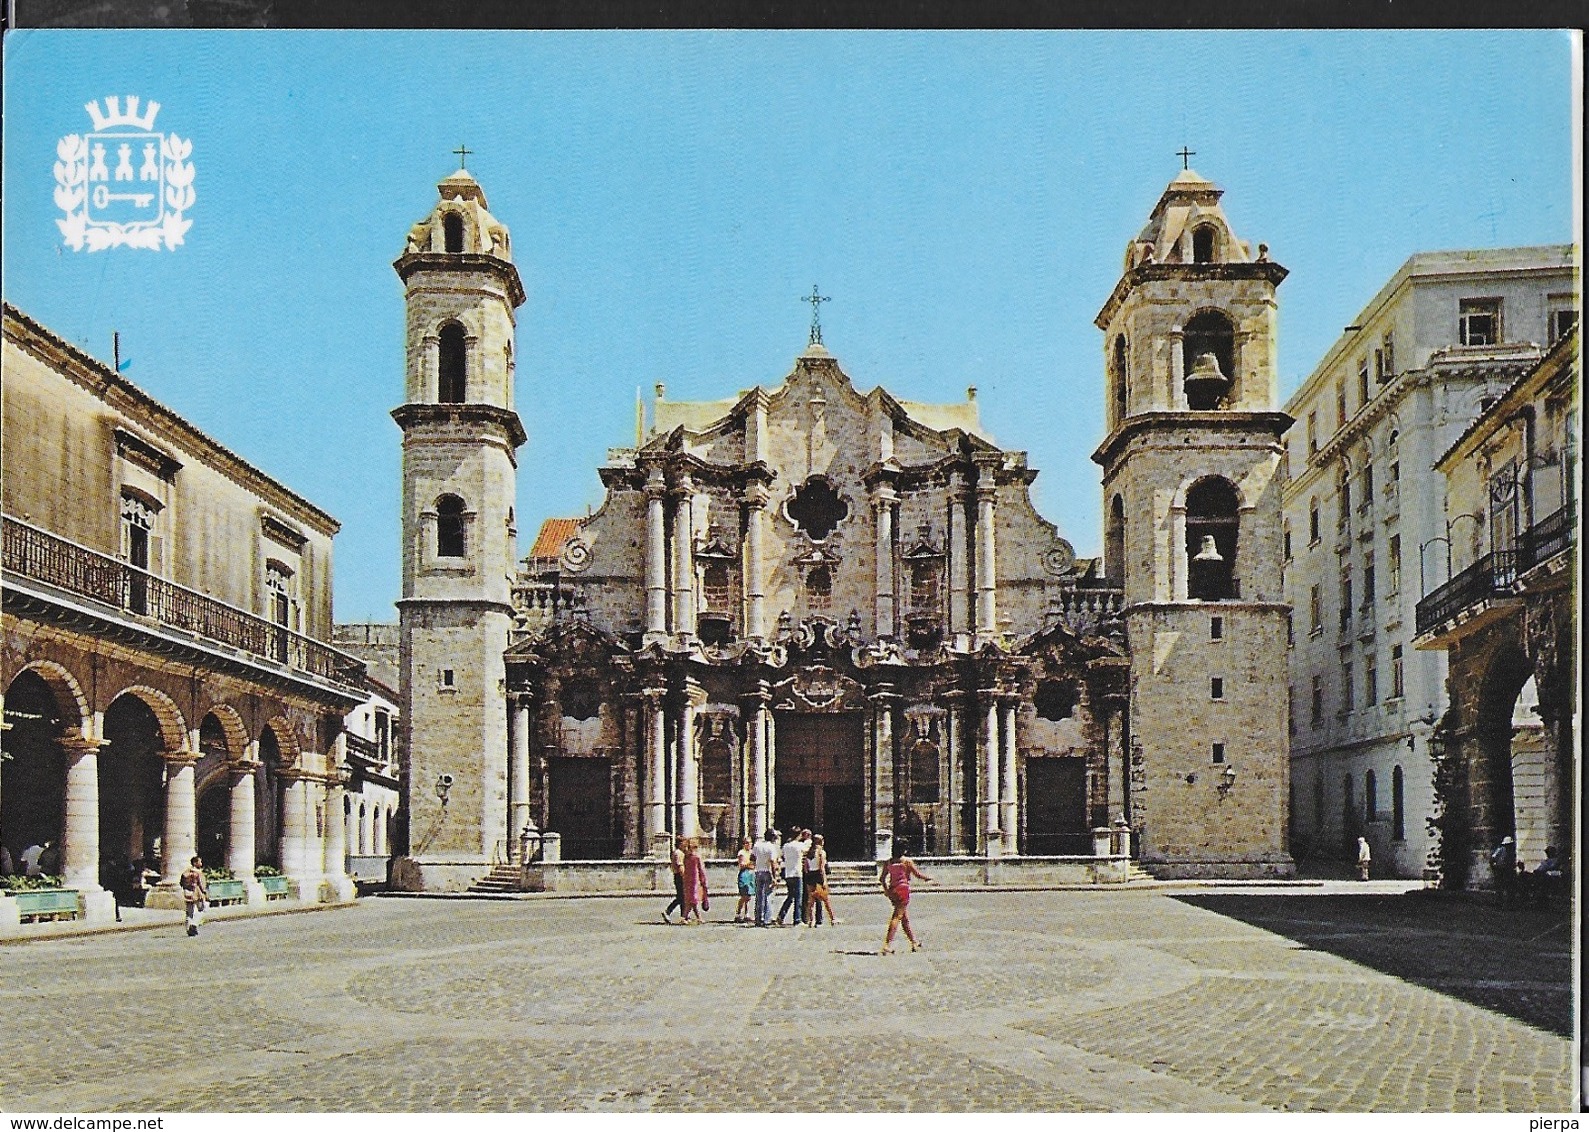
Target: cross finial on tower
{"x": 463, "y": 152}
{"x": 1186, "y": 156}
{"x": 816, "y": 316}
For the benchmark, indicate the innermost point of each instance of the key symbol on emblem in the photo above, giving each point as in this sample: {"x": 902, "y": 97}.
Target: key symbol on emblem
{"x": 103, "y": 196}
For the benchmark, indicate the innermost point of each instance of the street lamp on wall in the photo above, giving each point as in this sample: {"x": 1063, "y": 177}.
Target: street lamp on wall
{"x": 1423, "y": 587}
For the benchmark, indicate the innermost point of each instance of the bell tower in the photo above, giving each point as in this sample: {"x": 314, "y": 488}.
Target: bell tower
{"x": 1191, "y": 482}
{"x": 460, "y": 438}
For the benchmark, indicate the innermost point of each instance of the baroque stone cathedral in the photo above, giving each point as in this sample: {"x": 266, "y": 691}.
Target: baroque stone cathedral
{"x": 810, "y": 605}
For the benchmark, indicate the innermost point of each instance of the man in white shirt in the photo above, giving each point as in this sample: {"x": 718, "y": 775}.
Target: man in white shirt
{"x": 794, "y": 856}
{"x": 764, "y": 855}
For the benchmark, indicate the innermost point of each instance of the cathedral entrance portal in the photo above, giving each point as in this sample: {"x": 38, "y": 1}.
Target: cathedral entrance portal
{"x": 820, "y": 780}
{"x": 579, "y": 807}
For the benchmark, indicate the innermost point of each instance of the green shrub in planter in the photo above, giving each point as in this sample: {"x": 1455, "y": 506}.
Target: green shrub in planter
{"x": 262, "y": 871}
{"x": 30, "y": 884}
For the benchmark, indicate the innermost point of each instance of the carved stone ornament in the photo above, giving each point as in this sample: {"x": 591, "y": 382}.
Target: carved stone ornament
{"x": 819, "y": 688}
{"x": 1060, "y": 559}
{"x": 576, "y": 556}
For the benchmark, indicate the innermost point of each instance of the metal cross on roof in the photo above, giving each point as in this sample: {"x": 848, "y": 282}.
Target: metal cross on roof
{"x": 1186, "y": 156}
{"x": 816, "y": 318}
{"x": 462, "y": 153}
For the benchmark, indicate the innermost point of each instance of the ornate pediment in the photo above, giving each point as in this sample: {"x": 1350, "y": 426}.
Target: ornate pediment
{"x": 816, "y": 687}
{"x": 574, "y": 643}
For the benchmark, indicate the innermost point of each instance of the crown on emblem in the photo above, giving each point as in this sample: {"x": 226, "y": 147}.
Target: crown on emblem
{"x": 115, "y": 116}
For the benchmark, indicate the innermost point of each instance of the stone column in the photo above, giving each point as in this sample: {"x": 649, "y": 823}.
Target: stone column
{"x": 954, "y": 784}
{"x": 989, "y": 790}
{"x": 959, "y": 563}
{"x": 240, "y": 847}
{"x": 756, "y": 755}
{"x": 689, "y": 764}
{"x": 771, "y": 745}
{"x": 1009, "y": 801}
{"x": 684, "y": 558}
{"x": 883, "y": 801}
{"x": 519, "y": 777}
{"x": 884, "y": 610}
{"x": 295, "y": 818}
{"x": 80, "y": 837}
{"x": 1177, "y": 390}
{"x": 755, "y": 578}
{"x": 656, "y": 747}
{"x": 987, "y": 597}
{"x": 656, "y": 557}
{"x": 336, "y": 845}
{"x": 180, "y": 838}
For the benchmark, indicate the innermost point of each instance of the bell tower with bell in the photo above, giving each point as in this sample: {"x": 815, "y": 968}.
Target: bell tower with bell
{"x": 461, "y": 435}
{"x": 1191, "y": 484}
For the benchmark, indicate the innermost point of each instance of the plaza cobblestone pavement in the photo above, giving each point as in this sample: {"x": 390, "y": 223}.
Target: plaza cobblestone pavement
{"x": 1146, "y": 1000}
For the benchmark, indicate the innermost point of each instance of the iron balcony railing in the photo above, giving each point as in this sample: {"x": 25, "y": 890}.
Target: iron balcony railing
{"x": 44, "y": 557}
{"x": 1498, "y": 571}
{"x": 1547, "y": 538}
{"x": 1482, "y": 580}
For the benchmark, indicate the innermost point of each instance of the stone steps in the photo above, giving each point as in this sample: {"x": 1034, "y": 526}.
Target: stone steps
{"x": 503, "y": 878}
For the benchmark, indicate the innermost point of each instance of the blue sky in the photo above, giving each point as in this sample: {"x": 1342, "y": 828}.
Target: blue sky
{"x": 964, "y": 198}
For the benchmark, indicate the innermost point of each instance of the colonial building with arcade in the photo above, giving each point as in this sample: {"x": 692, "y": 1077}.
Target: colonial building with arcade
{"x": 813, "y": 604}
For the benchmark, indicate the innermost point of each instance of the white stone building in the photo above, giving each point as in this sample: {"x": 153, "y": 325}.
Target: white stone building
{"x": 1367, "y": 531}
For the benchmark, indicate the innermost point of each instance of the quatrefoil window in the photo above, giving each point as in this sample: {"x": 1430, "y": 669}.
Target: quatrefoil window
{"x": 817, "y": 508}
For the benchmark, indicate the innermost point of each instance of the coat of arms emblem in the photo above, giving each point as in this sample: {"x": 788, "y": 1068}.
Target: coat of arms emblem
{"x": 123, "y": 185}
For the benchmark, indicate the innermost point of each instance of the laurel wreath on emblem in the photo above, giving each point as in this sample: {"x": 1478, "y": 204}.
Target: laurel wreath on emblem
{"x": 576, "y": 555}
{"x": 71, "y": 197}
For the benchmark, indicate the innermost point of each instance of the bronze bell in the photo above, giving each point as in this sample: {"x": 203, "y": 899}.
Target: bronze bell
{"x": 1209, "y": 551}
{"x": 1205, "y": 385}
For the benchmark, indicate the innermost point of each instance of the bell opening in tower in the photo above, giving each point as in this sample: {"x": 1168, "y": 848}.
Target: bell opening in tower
{"x": 1208, "y": 345}
{"x": 1212, "y": 522}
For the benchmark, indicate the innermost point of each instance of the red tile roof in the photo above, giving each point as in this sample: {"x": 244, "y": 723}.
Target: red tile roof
{"x": 553, "y": 535}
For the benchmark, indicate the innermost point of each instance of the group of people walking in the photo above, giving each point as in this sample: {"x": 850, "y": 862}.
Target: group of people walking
{"x": 802, "y": 861}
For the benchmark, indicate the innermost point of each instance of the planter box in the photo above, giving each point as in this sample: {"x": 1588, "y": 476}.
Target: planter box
{"x": 42, "y": 904}
{"x": 276, "y": 888}
{"x": 223, "y": 892}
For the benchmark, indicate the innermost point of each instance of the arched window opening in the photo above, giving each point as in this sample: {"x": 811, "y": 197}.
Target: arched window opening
{"x": 452, "y": 232}
{"x": 1203, "y": 243}
{"x": 449, "y": 527}
{"x": 452, "y": 369}
{"x": 1114, "y": 543}
{"x": 1370, "y": 796}
{"x": 1120, "y": 377}
{"x": 1211, "y": 527}
{"x": 1398, "y": 806}
{"x": 1209, "y": 334}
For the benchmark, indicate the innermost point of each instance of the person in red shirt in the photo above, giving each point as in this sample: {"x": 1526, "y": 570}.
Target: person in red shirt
{"x": 896, "y": 874}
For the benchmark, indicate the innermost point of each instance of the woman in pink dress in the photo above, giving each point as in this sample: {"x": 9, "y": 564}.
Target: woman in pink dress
{"x": 896, "y": 874}
{"x": 695, "y": 895}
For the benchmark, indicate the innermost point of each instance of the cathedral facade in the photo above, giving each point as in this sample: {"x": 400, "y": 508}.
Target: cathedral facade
{"x": 809, "y": 605}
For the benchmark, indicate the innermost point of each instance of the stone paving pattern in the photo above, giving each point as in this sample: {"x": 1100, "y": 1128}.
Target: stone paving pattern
{"x": 1148, "y": 1000}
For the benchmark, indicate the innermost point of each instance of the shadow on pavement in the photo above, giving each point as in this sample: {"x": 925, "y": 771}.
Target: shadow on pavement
{"x": 1515, "y": 961}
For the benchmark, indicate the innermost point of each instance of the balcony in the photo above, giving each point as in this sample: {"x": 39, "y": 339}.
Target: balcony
{"x": 1547, "y": 538}
{"x": 1479, "y": 585}
{"x": 32, "y": 553}
{"x": 1492, "y": 584}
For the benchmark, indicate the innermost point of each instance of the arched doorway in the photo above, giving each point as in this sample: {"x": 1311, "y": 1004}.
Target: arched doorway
{"x": 214, "y": 792}
{"x": 33, "y": 800}
{"x": 268, "y": 787}
{"x": 131, "y": 786}
{"x": 1490, "y": 790}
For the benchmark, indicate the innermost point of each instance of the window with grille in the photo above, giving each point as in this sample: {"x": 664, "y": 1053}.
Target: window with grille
{"x": 1348, "y": 697}
{"x": 1318, "y": 701}
{"x": 1396, "y": 686}
{"x": 1370, "y": 680}
{"x": 1388, "y": 351}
